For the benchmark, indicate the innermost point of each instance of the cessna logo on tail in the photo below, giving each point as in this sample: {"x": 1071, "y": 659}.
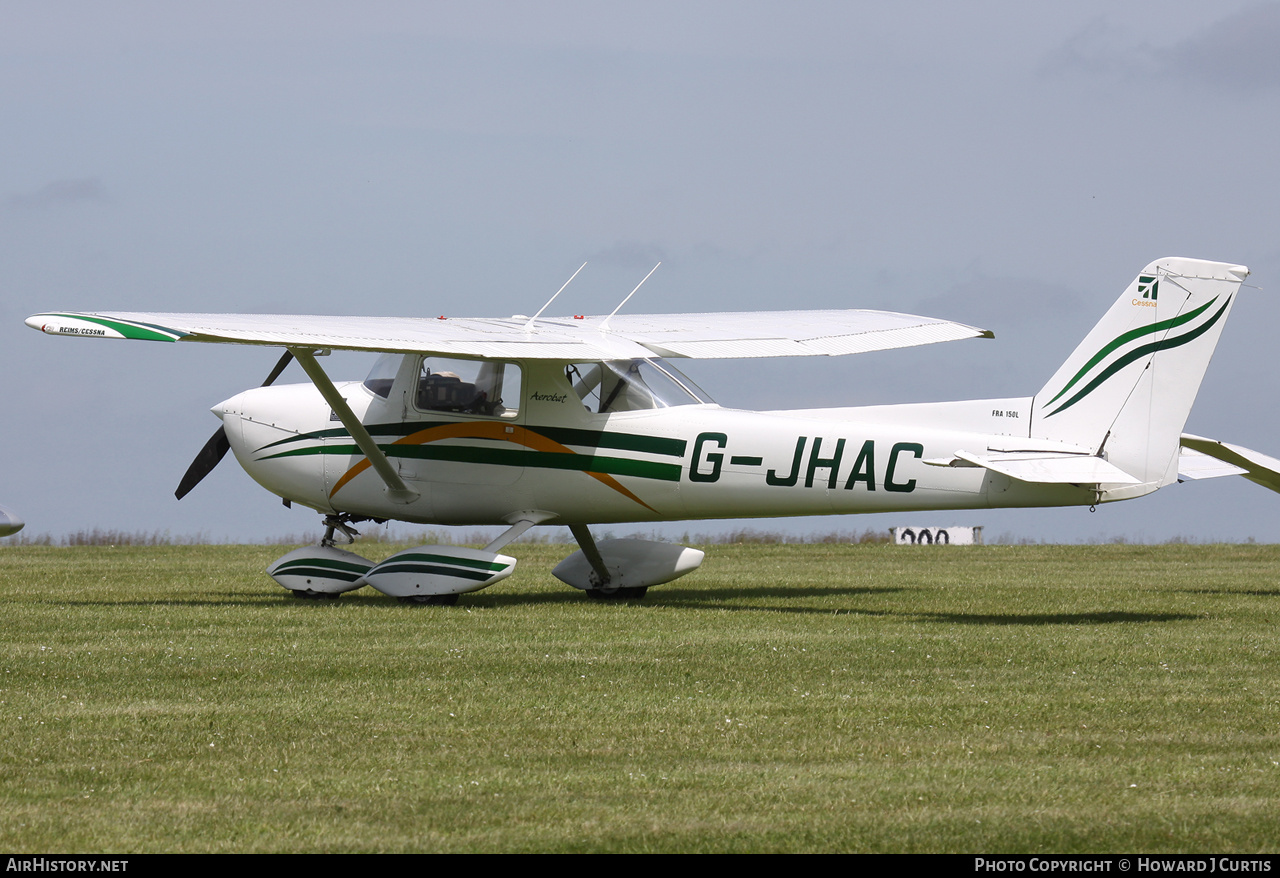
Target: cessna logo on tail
{"x": 1148, "y": 286}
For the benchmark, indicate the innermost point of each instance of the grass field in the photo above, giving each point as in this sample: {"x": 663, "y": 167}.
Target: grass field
{"x": 783, "y": 698}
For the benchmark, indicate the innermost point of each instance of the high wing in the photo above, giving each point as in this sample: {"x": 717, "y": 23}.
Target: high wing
{"x": 698, "y": 336}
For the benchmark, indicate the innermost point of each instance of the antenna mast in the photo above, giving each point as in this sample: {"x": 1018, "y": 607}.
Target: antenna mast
{"x": 529, "y": 325}
{"x": 604, "y": 326}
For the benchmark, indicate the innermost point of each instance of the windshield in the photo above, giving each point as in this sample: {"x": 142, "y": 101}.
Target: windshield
{"x": 383, "y": 374}
{"x": 632, "y": 385}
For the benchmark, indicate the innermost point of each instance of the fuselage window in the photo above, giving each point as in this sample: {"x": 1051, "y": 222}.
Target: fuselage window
{"x": 632, "y": 385}
{"x": 473, "y": 387}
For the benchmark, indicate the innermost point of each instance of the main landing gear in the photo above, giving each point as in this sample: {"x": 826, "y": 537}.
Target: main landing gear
{"x": 433, "y": 575}
{"x": 623, "y": 570}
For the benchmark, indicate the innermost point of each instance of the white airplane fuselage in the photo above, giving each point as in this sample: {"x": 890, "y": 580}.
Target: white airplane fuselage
{"x": 697, "y": 461}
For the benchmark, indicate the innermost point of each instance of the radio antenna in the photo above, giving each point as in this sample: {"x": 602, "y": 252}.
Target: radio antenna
{"x": 529, "y": 325}
{"x": 604, "y": 326}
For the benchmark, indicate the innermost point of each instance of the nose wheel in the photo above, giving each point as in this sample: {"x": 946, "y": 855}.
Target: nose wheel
{"x": 312, "y": 595}
{"x": 340, "y": 523}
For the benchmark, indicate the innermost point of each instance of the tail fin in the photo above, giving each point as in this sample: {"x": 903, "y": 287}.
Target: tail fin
{"x": 1127, "y": 389}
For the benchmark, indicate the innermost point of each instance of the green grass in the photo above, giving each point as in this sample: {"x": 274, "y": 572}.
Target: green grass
{"x": 783, "y": 698}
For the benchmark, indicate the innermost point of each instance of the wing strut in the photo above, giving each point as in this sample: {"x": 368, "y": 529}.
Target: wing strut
{"x": 397, "y": 490}
{"x": 520, "y": 522}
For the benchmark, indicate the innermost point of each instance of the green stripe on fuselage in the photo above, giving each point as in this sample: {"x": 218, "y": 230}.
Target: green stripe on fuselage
{"x": 617, "y": 466}
{"x": 380, "y": 430}
{"x": 620, "y": 441}
{"x": 563, "y": 435}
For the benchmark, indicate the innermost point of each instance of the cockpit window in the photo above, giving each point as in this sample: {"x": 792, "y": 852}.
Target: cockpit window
{"x": 632, "y": 385}
{"x": 475, "y": 387}
{"x": 383, "y": 374}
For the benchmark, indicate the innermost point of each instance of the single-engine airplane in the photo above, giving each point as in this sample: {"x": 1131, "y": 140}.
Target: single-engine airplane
{"x": 583, "y": 420}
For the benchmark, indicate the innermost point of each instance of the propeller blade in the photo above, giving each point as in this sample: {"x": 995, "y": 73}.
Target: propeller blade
{"x": 218, "y": 445}
{"x": 275, "y": 373}
{"x": 214, "y": 450}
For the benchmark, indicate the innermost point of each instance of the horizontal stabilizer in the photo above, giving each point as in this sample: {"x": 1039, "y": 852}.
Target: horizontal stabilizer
{"x": 1044, "y": 468}
{"x": 1197, "y": 465}
{"x": 9, "y": 523}
{"x": 1202, "y": 458}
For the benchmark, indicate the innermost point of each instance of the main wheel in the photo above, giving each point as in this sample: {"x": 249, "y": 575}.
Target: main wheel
{"x": 430, "y": 600}
{"x": 632, "y": 593}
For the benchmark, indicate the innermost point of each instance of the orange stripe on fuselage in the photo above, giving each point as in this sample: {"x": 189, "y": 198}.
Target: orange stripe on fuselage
{"x": 518, "y": 435}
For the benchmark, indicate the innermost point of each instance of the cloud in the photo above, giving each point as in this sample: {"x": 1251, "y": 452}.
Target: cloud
{"x": 1097, "y": 49}
{"x": 998, "y": 302}
{"x": 59, "y": 192}
{"x": 1235, "y": 54}
{"x": 630, "y": 255}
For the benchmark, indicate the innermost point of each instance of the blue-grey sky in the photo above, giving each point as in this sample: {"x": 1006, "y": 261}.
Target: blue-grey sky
{"x": 1008, "y": 165}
